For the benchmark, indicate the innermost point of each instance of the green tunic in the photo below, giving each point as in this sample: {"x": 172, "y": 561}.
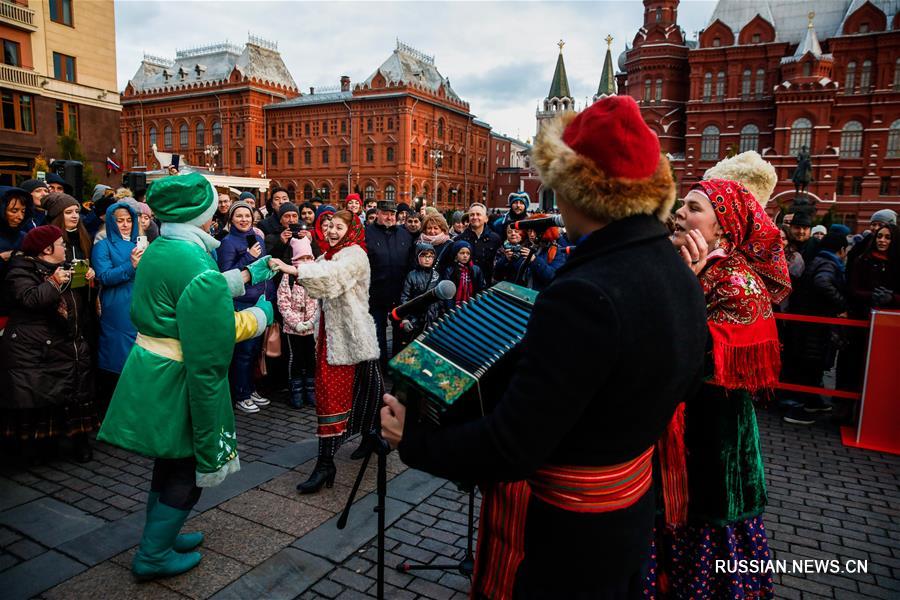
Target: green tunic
{"x": 165, "y": 408}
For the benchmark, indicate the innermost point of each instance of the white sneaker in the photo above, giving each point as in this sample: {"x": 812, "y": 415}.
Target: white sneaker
{"x": 259, "y": 400}
{"x": 247, "y": 406}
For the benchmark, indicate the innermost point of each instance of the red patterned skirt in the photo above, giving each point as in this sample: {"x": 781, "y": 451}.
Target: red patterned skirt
{"x": 334, "y": 390}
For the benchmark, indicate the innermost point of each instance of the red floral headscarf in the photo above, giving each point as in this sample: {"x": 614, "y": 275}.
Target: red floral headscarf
{"x": 355, "y": 236}
{"x": 750, "y": 231}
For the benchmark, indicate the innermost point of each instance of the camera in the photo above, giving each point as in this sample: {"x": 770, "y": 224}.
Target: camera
{"x": 296, "y": 228}
{"x": 68, "y": 265}
{"x": 515, "y": 248}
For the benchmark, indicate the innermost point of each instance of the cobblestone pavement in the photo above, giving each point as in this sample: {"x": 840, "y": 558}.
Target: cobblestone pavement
{"x": 67, "y": 531}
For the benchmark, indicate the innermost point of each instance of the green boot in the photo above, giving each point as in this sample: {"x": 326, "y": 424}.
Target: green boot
{"x": 155, "y": 556}
{"x": 185, "y": 542}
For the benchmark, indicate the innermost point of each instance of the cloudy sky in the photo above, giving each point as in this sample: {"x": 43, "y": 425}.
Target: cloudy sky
{"x": 499, "y": 56}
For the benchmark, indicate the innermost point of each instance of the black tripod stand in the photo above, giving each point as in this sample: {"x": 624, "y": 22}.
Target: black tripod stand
{"x": 376, "y": 445}
{"x": 467, "y": 564}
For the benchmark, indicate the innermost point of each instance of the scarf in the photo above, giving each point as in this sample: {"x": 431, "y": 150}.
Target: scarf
{"x": 464, "y": 285}
{"x": 747, "y": 274}
{"x": 355, "y": 236}
{"x": 434, "y": 240}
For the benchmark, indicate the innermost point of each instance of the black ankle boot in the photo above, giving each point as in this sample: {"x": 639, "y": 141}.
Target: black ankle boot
{"x": 298, "y": 393}
{"x": 365, "y": 445}
{"x": 323, "y": 474}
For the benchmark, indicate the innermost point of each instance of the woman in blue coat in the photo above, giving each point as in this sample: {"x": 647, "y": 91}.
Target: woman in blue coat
{"x": 115, "y": 259}
{"x": 236, "y": 252}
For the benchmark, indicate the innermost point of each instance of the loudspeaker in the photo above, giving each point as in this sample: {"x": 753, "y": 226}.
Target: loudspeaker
{"x": 73, "y": 172}
{"x": 135, "y": 181}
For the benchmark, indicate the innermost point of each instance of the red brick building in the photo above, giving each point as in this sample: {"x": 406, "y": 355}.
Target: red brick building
{"x": 401, "y": 134}
{"x": 774, "y": 77}
{"x": 206, "y": 105}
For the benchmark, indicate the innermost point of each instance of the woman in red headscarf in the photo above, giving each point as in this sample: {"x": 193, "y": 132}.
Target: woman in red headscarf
{"x": 744, "y": 273}
{"x": 339, "y": 278}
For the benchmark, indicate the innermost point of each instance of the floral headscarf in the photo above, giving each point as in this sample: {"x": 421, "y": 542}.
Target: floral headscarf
{"x": 750, "y": 231}
{"x": 355, "y": 236}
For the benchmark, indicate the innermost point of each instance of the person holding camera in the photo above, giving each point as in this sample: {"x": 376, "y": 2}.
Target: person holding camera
{"x": 116, "y": 258}
{"x": 278, "y": 243}
{"x": 45, "y": 361}
{"x": 241, "y": 247}
{"x": 511, "y": 256}
{"x": 545, "y": 256}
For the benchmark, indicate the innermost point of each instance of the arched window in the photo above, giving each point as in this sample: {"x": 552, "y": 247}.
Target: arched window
{"x": 707, "y": 87}
{"x": 850, "y": 79}
{"x": 851, "y": 139}
{"x": 200, "y": 135}
{"x": 865, "y": 77}
{"x": 183, "y": 136}
{"x": 390, "y": 155}
{"x": 749, "y": 138}
{"x": 807, "y": 69}
{"x": 369, "y": 192}
{"x": 720, "y": 85}
{"x": 370, "y": 154}
{"x": 760, "y": 82}
{"x": 390, "y": 193}
{"x": 343, "y": 191}
{"x": 745, "y": 84}
{"x": 307, "y": 192}
{"x": 440, "y": 194}
{"x": 647, "y": 93}
{"x": 893, "y": 142}
{"x": 152, "y": 135}
{"x": 897, "y": 75}
{"x": 325, "y": 156}
{"x": 413, "y": 155}
{"x": 217, "y": 134}
{"x": 801, "y": 135}
{"x": 390, "y": 124}
{"x": 415, "y": 192}
{"x": 307, "y": 157}
{"x": 167, "y": 137}
{"x": 659, "y": 90}
{"x": 343, "y": 155}
{"x": 440, "y": 128}
{"x": 471, "y": 196}
{"x": 709, "y": 143}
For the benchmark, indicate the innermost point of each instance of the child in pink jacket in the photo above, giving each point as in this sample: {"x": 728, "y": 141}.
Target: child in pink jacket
{"x": 299, "y": 314}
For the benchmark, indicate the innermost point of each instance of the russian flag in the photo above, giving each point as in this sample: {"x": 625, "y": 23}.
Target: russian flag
{"x": 111, "y": 166}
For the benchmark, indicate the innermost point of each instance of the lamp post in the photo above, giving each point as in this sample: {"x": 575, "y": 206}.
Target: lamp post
{"x": 323, "y": 193}
{"x": 211, "y": 152}
{"x": 436, "y": 157}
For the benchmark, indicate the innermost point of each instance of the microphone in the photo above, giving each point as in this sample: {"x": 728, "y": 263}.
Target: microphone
{"x": 444, "y": 290}
{"x": 540, "y": 223}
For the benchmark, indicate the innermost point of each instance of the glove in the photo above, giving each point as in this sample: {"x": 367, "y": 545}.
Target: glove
{"x": 266, "y": 306}
{"x": 882, "y": 296}
{"x": 259, "y": 270}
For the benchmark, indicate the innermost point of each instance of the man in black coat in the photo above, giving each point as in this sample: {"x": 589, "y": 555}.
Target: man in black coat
{"x": 271, "y": 224}
{"x": 483, "y": 240}
{"x": 632, "y": 319}
{"x": 390, "y": 249}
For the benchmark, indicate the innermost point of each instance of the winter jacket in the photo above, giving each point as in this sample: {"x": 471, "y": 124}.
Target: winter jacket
{"x": 484, "y": 249}
{"x": 499, "y": 226}
{"x": 342, "y": 284}
{"x": 44, "y": 355}
{"x": 271, "y": 224}
{"x": 869, "y": 272}
{"x": 390, "y": 251}
{"x": 233, "y": 254}
{"x": 10, "y": 238}
{"x": 299, "y": 311}
{"x": 509, "y": 270}
{"x": 451, "y": 273}
{"x": 822, "y": 288}
{"x": 542, "y": 269}
{"x": 112, "y": 263}
{"x": 418, "y": 281}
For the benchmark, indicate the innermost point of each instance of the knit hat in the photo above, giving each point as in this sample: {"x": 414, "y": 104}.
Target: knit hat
{"x": 300, "y": 247}
{"x": 182, "y": 198}
{"x": 286, "y": 208}
{"x": 747, "y": 168}
{"x": 325, "y": 208}
{"x": 353, "y": 196}
{"x": 801, "y": 219}
{"x": 818, "y": 229}
{"x": 833, "y": 242}
{"x": 422, "y": 248}
{"x": 459, "y": 245}
{"x": 144, "y": 209}
{"x": 237, "y": 205}
{"x": 837, "y": 227}
{"x": 403, "y": 207}
{"x": 32, "y": 184}
{"x": 457, "y": 216}
{"x": 99, "y": 191}
{"x": 884, "y": 215}
{"x": 56, "y": 203}
{"x": 54, "y": 178}
{"x": 606, "y": 161}
{"x": 247, "y": 196}
{"x": 518, "y": 197}
{"x": 39, "y": 238}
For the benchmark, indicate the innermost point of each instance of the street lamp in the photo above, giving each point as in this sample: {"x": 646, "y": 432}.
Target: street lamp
{"x": 211, "y": 152}
{"x": 323, "y": 193}
{"x": 436, "y": 157}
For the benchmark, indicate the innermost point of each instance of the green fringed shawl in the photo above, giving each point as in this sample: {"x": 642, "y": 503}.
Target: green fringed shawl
{"x": 725, "y": 470}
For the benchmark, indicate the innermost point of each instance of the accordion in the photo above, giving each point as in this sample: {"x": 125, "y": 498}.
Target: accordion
{"x": 461, "y": 364}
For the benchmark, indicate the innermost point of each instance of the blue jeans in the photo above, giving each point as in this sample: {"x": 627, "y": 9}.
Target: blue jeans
{"x": 243, "y": 365}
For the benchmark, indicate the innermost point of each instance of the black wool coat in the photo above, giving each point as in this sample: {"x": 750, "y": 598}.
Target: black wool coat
{"x": 484, "y": 250}
{"x": 614, "y": 343}
{"x": 45, "y": 359}
{"x": 390, "y": 252}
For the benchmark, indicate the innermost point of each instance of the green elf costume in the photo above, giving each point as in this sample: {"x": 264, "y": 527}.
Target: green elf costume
{"x": 172, "y": 401}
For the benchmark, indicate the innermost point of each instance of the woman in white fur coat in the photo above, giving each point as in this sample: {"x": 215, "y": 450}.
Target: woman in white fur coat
{"x": 339, "y": 278}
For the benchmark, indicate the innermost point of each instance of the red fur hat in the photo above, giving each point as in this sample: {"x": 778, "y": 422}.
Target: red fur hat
{"x": 606, "y": 161}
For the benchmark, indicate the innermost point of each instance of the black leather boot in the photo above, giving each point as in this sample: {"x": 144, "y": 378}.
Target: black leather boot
{"x": 323, "y": 474}
{"x": 365, "y": 445}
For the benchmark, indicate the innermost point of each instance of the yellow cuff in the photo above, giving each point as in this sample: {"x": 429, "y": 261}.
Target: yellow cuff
{"x": 244, "y": 326}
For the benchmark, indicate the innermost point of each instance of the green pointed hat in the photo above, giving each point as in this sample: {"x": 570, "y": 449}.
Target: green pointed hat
{"x": 181, "y": 198}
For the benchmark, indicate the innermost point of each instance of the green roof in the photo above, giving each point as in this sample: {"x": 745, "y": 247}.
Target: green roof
{"x": 608, "y": 78}
{"x": 559, "y": 87}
